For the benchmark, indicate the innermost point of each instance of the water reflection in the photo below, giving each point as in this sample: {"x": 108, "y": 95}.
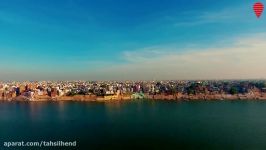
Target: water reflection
{"x": 113, "y": 106}
{"x": 33, "y": 109}
{"x": 39, "y": 111}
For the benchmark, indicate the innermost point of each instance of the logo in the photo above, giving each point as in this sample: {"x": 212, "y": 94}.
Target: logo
{"x": 258, "y": 9}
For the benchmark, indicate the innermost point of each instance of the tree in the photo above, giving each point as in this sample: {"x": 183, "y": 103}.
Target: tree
{"x": 233, "y": 90}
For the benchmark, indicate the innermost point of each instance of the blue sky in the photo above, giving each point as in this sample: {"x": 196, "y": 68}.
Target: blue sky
{"x": 82, "y": 39}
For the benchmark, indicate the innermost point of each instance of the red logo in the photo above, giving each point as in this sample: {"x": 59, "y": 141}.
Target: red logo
{"x": 258, "y": 9}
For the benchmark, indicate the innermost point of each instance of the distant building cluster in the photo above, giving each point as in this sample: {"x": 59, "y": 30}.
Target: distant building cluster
{"x": 51, "y": 89}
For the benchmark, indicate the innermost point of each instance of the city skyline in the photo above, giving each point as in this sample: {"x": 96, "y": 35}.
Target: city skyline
{"x": 131, "y": 40}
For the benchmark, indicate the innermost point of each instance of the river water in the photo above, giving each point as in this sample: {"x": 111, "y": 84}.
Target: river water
{"x": 138, "y": 124}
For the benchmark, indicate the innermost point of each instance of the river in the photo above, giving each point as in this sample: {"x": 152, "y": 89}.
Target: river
{"x": 138, "y": 124}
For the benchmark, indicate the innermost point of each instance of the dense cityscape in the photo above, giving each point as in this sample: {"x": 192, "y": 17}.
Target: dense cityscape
{"x": 126, "y": 90}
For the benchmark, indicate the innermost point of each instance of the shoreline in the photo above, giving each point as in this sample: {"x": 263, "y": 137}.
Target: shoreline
{"x": 159, "y": 97}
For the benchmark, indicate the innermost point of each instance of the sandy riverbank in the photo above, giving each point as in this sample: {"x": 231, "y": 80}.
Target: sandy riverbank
{"x": 254, "y": 96}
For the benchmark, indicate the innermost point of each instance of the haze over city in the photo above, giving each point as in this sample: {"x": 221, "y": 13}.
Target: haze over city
{"x": 131, "y": 40}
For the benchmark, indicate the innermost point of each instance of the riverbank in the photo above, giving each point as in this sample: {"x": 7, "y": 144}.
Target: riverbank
{"x": 178, "y": 96}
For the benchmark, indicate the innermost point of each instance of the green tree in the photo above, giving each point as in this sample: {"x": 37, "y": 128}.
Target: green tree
{"x": 233, "y": 90}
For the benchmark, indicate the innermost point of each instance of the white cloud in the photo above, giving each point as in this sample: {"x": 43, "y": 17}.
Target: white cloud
{"x": 244, "y": 59}
{"x": 226, "y": 15}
